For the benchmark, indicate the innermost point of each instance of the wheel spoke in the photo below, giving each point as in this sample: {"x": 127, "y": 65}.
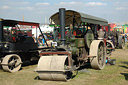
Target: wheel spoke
{"x": 12, "y": 67}
{"x": 100, "y": 61}
{"x": 13, "y": 63}
{"x": 100, "y": 56}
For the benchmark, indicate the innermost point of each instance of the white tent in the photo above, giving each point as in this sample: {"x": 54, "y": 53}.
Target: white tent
{"x": 44, "y": 29}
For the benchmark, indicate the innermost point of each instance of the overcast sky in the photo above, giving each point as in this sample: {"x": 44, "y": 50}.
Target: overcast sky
{"x": 38, "y": 10}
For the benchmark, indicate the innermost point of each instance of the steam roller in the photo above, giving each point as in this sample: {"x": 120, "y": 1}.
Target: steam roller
{"x": 53, "y": 68}
{"x": 73, "y": 50}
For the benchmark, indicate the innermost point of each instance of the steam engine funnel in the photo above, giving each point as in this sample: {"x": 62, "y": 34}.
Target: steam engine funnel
{"x": 62, "y": 25}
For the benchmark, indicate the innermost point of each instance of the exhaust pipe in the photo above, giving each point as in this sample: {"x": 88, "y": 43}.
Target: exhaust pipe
{"x": 1, "y": 30}
{"x": 62, "y": 25}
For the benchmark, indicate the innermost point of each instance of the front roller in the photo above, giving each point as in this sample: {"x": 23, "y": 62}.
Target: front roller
{"x": 98, "y": 51}
{"x": 54, "y": 68}
{"x": 11, "y": 63}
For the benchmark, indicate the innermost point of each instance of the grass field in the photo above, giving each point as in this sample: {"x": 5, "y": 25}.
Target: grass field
{"x": 110, "y": 75}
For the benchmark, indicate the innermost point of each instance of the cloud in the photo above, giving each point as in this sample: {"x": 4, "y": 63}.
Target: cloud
{"x": 70, "y": 3}
{"x": 109, "y": 0}
{"x": 82, "y": 4}
{"x": 15, "y": 3}
{"x": 5, "y": 7}
{"x": 120, "y": 8}
{"x": 96, "y": 4}
{"x": 42, "y": 4}
{"x": 23, "y": 2}
{"x": 27, "y": 8}
{"x": 19, "y": 3}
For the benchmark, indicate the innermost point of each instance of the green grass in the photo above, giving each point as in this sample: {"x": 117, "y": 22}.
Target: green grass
{"x": 110, "y": 75}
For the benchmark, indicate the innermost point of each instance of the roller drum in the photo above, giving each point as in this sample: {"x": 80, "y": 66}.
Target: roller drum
{"x": 53, "y": 68}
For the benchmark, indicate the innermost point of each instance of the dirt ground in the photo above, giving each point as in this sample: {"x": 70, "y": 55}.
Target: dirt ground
{"x": 111, "y": 75}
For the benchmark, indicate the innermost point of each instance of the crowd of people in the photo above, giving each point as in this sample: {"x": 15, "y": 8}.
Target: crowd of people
{"x": 42, "y": 38}
{"x": 55, "y": 35}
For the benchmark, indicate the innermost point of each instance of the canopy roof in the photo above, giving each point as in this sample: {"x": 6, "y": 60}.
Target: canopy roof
{"x": 79, "y": 17}
{"x": 7, "y": 22}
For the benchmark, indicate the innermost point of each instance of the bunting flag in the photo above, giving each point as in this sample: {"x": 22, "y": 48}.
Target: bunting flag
{"x": 125, "y": 27}
{"x": 113, "y": 25}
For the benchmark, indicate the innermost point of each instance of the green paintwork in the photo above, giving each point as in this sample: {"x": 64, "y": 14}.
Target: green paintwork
{"x": 89, "y": 37}
{"x": 74, "y": 50}
{"x": 79, "y": 42}
{"x": 92, "y": 19}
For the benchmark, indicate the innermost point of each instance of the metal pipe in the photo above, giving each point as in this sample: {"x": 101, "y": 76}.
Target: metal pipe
{"x": 62, "y": 25}
{"x": 73, "y": 22}
{"x": 43, "y": 36}
{"x": 108, "y": 30}
{"x": 1, "y": 30}
{"x": 95, "y": 32}
{"x": 105, "y": 35}
{"x": 36, "y": 35}
{"x": 84, "y": 28}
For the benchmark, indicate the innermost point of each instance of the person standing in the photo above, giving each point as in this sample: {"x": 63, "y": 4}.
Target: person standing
{"x": 40, "y": 40}
{"x": 100, "y": 34}
{"x": 34, "y": 38}
{"x": 55, "y": 34}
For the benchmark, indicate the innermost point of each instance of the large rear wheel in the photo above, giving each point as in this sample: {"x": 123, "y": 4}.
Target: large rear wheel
{"x": 11, "y": 63}
{"x": 110, "y": 47}
{"x": 121, "y": 42}
{"x": 99, "y": 56}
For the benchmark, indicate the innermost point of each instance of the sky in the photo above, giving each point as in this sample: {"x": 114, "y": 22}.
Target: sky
{"x": 40, "y": 10}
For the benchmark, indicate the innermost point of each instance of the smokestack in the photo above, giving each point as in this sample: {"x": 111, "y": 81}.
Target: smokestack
{"x": 62, "y": 25}
{"x": 95, "y": 32}
{"x": 108, "y": 30}
{"x": 1, "y": 30}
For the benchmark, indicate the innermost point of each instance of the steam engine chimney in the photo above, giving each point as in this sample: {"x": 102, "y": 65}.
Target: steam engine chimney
{"x": 62, "y": 25}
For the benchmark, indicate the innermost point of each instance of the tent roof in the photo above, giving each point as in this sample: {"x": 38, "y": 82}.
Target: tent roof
{"x": 79, "y": 17}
